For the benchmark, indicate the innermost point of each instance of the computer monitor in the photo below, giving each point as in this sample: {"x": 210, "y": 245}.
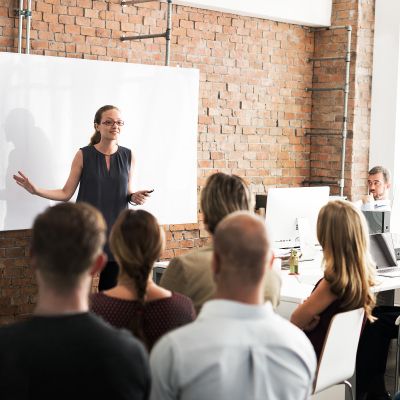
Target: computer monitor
{"x": 285, "y": 206}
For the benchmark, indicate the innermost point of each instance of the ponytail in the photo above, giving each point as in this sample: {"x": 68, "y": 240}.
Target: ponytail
{"x": 96, "y": 137}
{"x": 140, "y": 276}
{"x": 136, "y": 242}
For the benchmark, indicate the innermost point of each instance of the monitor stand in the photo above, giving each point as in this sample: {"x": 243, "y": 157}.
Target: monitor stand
{"x": 307, "y": 246}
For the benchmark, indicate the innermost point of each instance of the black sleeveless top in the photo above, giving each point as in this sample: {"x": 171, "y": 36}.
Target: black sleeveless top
{"x": 318, "y": 334}
{"x": 107, "y": 190}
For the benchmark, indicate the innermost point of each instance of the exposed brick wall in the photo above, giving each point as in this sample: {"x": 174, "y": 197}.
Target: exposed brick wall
{"x": 362, "y": 111}
{"x": 253, "y": 107}
{"x": 327, "y": 113}
{"x": 18, "y": 289}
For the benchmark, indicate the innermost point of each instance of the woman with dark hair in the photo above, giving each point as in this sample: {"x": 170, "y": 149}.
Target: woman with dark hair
{"x": 136, "y": 302}
{"x": 104, "y": 171}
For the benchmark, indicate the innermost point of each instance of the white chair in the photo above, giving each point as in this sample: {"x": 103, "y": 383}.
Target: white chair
{"x": 397, "y": 367}
{"x": 338, "y": 358}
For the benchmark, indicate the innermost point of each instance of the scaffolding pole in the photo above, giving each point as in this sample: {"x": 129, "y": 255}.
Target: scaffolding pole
{"x": 166, "y": 34}
{"x": 345, "y": 89}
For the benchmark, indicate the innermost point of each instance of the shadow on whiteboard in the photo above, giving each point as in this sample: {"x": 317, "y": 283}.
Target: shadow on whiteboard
{"x": 47, "y": 115}
{"x": 29, "y": 150}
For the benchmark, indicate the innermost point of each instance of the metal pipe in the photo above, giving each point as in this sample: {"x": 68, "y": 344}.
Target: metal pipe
{"x": 329, "y": 28}
{"x": 324, "y": 89}
{"x": 28, "y": 16}
{"x": 155, "y": 35}
{"x": 317, "y": 133}
{"x": 20, "y": 13}
{"x": 309, "y": 182}
{"x": 326, "y": 59}
{"x": 168, "y": 32}
{"x": 127, "y": 2}
{"x": 345, "y": 106}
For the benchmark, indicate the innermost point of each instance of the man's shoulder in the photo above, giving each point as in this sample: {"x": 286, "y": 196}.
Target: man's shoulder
{"x": 284, "y": 332}
{"x": 115, "y": 338}
{"x": 194, "y": 258}
{"x": 81, "y": 328}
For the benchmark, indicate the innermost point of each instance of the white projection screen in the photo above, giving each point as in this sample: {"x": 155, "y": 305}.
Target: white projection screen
{"x": 47, "y": 106}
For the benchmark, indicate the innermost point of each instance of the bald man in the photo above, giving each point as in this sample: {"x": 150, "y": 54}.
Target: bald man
{"x": 238, "y": 348}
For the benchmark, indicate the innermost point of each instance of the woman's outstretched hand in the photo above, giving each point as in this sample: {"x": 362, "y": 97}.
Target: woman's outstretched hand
{"x": 24, "y": 182}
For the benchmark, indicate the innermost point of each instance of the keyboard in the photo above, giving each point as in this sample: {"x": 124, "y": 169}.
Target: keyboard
{"x": 392, "y": 272}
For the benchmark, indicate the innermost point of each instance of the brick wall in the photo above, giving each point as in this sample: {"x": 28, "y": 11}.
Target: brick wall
{"x": 327, "y": 112}
{"x": 253, "y": 107}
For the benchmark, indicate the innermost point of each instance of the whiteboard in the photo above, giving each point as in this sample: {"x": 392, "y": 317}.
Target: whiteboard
{"x": 47, "y": 106}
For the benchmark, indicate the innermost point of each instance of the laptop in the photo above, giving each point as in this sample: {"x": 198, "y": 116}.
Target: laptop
{"x": 382, "y": 252}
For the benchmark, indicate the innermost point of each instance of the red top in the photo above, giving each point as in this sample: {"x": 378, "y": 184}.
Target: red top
{"x": 159, "y": 316}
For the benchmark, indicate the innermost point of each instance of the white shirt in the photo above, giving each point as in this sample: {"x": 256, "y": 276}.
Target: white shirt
{"x": 376, "y": 205}
{"x": 233, "y": 351}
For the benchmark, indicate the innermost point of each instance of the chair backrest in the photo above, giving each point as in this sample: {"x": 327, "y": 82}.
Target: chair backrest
{"x": 338, "y": 357}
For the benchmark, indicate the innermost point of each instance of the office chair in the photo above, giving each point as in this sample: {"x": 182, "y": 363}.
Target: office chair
{"x": 396, "y": 370}
{"x": 338, "y": 357}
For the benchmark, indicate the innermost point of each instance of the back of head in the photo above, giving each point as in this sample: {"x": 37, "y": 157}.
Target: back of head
{"x": 136, "y": 241}
{"x": 379, "y": 169}
{"x": 65, "y": 241}
{"x": 242, "y": 246}
{"x": 343, "y": 234}
{"x": 222, "y": 195}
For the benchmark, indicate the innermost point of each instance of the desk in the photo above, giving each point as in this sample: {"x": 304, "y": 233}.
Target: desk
{"x": 296, "y": 288}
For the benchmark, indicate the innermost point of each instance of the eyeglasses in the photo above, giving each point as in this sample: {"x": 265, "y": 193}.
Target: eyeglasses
{"x": 110, "y": 122}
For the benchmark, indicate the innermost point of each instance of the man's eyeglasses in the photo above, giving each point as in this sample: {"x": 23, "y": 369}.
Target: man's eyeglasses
{"x": 110, "y": 122}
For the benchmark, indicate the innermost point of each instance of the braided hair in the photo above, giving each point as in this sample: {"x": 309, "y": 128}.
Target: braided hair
{"x": 136, "y": 242}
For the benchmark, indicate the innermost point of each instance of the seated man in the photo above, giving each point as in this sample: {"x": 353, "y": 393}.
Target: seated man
{"x": 191, "y": 274}
{"x": 238, "y": 348}
{"x": 378, "y": 189}
{"x": 63, "y": 351}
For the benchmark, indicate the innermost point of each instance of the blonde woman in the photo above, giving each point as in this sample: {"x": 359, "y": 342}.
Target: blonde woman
{"x": 348, "y": 276}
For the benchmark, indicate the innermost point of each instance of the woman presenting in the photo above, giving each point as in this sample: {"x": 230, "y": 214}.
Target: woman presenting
{"x": 104, "y": 171}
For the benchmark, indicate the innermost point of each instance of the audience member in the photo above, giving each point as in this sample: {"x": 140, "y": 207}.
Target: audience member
{"x": 379, "y": 183}
{"x": 63, "y": 351}
{"x": 238, "y": 348}
{"x": 191, "y": 273}
{"x": 348, "y": 276}
{"x": 137, "y": 303}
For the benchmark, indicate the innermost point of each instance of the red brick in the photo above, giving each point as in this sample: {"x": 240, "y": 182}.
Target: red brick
{"x": 253, "y": 109}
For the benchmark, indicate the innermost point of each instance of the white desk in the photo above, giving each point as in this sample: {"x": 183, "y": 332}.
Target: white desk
{"x": 296, "y": 288}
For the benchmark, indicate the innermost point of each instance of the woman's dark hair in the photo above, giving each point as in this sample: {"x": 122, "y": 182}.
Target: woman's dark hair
{"x": 136, "y": 242}
{"x": 97, "y": 120}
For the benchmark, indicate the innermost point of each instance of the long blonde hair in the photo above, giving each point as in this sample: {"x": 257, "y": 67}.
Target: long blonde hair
{"x": 343, "y": 234}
